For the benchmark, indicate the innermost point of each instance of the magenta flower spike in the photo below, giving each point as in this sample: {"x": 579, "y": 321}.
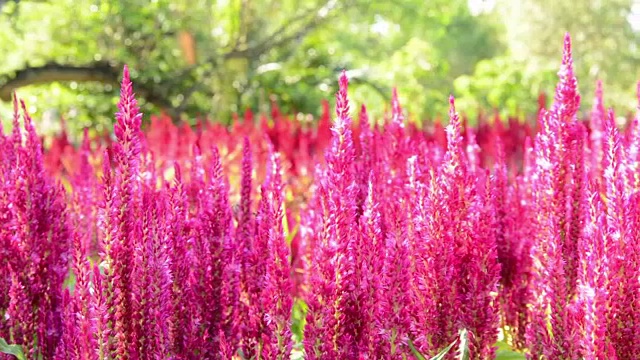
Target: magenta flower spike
{"x": 394, "y": 307}
{"x": 567, "y": 97}
{"x": 67, "y": 347}
{"x": 333, "y": 328}
{"x": 594, "y": 299}
{"x": 620, "y": 232}
{"x": 245, "y": 221}
{"x": 119, "y": 221}
{"x": 278, "y": 286}
{"x": 152, "y": 283}
{"x": 548, "y": 284}
{"x": 99, "y": 308}
{"x": 454, "y": 157}
{"x": 398, "y": 116}
{"x": 83, "y": 315}
{"x": 559, "y": 195}
{"x": 371, "y": 250}
{"x": 36, "y": 240}
{"x": 504, "y": 237}
{"x": 128, "y": 121}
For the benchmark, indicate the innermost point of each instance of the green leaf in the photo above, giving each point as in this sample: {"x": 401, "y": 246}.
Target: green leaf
{"x": 463, "y": 349}
{"x": 15, "y": 350}
{"x": 509, "y": 355}
{"x": 444, "y": 352}
{"x": 440, "y": 355}
{"x": 298, "y": 320}
{"x": 505, "y": 352}
{"x": 415, "y": 351}
{"x": 292, "y": 234}
{"x": 289, "y": 233}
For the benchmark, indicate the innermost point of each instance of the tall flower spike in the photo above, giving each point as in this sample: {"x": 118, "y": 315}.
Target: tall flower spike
{"x": 576, "y": 197}
{"x": 17, "y": 137}
{"x": 39, "y": 243}
{"x": 503, "y": 240}
{"x": 613, "y": 168}
{"x": 122, "y": 224}
{"x": 567, "y": 98}
{"x": 128, "y": 120}
{"x": 454, "y": 129}
{"x": 249, "y": 283}
{"x": 82, "y": 298}
{"x": 454, "y": 154}
{"x": 342, "y": 103}
{"x": 594, "y": 277}
{"x": 398, "y": 117}
{"x": 370, "y": 247}
{"x": 99, "y": 307}
{"x": 244, "y": 225}
{"x": 341, "y": 156}
{"x": 342, "y": 192}
{"x": 623, "y": 267}
{"x": 278, "y": 285}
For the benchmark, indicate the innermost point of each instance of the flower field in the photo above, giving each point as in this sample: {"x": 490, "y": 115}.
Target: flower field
{"x": 354, "y": 238}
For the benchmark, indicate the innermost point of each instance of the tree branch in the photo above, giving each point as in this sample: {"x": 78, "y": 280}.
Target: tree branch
{"x": 277, "y": 38}
{"x": 318, "y": 15}
{"x": 382, "y": 91}
{"x": 101, "y": 72}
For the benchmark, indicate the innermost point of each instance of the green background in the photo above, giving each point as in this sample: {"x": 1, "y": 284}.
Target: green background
{"x": 207, "y": 57}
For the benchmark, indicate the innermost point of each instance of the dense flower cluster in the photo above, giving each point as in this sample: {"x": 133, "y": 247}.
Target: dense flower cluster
{"x": 349, "y": 240}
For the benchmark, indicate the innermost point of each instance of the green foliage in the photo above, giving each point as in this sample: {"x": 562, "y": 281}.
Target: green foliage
{"x": 298, "y": 320}
{"x": 505, "y": 352}
{"x": 502, "y": 83}
{"x": 463, "y": 348}
{"x": 605, "y": 45}
{"x": 461, "y": 354}
{"x": 441, "y": 355}
{"x": 15, "y": 350}
{"x": 243, "y": 57}
{"x": 191, "y": 57}
{"x": 417, "y": 353}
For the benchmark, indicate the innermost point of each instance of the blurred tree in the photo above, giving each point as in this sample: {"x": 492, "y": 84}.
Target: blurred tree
{"x": 434, "y": 45}
{"x": 505, "y": 85}
{"x": 605, "y": 47}
{"x": 213, "y": 57}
